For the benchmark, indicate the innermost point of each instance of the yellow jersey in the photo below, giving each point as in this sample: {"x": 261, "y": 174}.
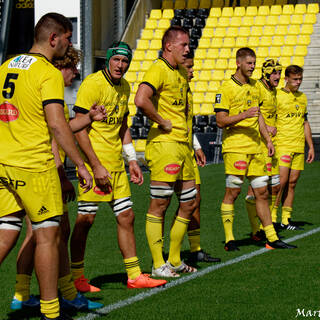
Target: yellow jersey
{"x": 291, "y": 114}
{"x": 67, "y": 116}
{"x": 169, "y": 87}
{"x": 29, "y": 82}
{"x": 104, "y": 135}
{"x": 190, "y": 118}
{"x": 234, "y": 97}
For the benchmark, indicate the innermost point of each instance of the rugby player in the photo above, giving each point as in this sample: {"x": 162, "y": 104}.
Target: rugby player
{"x": 162, "y": 96}
{"x": 32, "y": 103}
{"x": 293, "y": 129}
{"x": 237, "y": 112}
{"x": 102, "y": 145}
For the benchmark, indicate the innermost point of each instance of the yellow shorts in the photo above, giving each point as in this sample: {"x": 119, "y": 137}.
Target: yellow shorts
{"x": 120, "y": 189}
{"x": 169, "y": 161}
{"x": 290, "y": 160}
{"x": 39, "y": 193}
{"x": 196, "y": 171}
{"x": 242, "y": 164}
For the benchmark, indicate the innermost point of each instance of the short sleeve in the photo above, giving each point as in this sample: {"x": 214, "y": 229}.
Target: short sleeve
{"x": 154, "y": 77}
{"x": 87, "y": 95}
{"x": 52, "y": 87}
{"x": 222, "y": 102}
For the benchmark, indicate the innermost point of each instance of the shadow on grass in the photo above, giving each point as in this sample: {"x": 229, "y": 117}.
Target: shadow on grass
{"x": 25, "y": 314}
{"x": 109, "y": 278}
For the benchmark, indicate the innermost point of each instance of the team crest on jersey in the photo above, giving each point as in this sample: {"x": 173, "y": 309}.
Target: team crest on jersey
{"x": 8, "y": 112}
{"x": 22, "y": 62}
{"x": 218, "y": 97}
{"x": 297, "y": 107}
{"x": 116, "y": 109}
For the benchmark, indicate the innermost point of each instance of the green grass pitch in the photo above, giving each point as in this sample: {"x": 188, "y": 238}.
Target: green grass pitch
{"x": 273, "y": 285}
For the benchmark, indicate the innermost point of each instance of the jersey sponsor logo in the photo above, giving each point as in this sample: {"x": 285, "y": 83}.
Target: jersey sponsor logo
{"x": 178, "y": 102}
{"x": 22, "y": 62}
{"x": 113, "y": 120}
{"x": 218, "y": 97}
{"x": 100, "y": 192}
{"x": 286, "y": 158}
{"x": 295, "y": 115}
{"x": 7, "y": 182}
{"x": 172, "y": 168}
{"x": 240, "y": 165}
{"x": 8, "y": 112}
{"x": 269, "y": 166}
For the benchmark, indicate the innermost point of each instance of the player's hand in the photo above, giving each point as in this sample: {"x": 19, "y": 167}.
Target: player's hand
{"x": 200, "y": 157}
{"x": 252, "y": 112}
{"x": 270, "y": 149}
{"x": 136, "y": 175}
{"x": 85, "y": 179}
{"x": 97, "y": 113}
{"x": 165, "y": 126}
{"x": 68, "y": 192}
{"x": 101, "y": 177}
{"x": 272, "y": 130}
{"x": 310, "y": 157}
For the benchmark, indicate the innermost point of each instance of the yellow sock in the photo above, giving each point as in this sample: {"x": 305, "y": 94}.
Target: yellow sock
{"x": 252, "y": 214}
{"x": 273, "y": 208}
{"x": 132, "y": 267}
{"x": 22, "y": 287}
{"x": 286, "y": 215}
{"x": 194, "y": 240}
{"x": 227, "y": 214}
{"x": 155, "y": 239}
{"x": 271, "y": 233}
{"x": 67, "y": 288}
{"x": 177, "y": 233}
{"x": 77, "y": 269}
{"x": 50, "y": 308}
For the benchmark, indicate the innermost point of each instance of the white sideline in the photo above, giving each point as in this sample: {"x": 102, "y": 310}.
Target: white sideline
{"x": 141, "y": 296}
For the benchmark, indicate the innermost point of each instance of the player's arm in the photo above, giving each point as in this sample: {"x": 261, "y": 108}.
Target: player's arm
{"x": 143, "y": 101}
{"x": 224, "y": 120}
{"x": 308, "y": 136}
{"x": 136, "y": 175}
{"x": 264, "y": 133}
{"x": 200, "y": 156}
{"x": 63, "y": 135}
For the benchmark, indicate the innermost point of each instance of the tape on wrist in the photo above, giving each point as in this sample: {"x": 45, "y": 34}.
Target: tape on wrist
{"x": 129, "y": 152}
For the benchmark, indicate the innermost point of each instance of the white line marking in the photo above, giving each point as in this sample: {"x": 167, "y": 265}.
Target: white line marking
{"x": 153, "y": 291}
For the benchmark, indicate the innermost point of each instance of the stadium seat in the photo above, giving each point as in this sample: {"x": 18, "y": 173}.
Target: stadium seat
{"x": 263, "y": 11}
{"x": 167, "y": 4}
{"x": 233, "y": 54}
{"x": 208, "y": 33}
{"x": 200, "y": 54}
{"x": 256, "y": 74}
{"x": 288, "y": 9}
{"x": 205, "y": 75}
{"x": 164, "y": 24}
{"x": 272, "y": 20}
{"x": 301, "y": 51}
{"x": 205, "y": 4}
{"x": 197, "y": 64}
{"x": 221, "y": 64}
{"x": 275, "y": 10}
{"x": 251, "y": 11}
{"x": 260, "y": 20}
{"x": 209, "y": 98}
{"x": 212, "y": 22}
{"x": 199, "y": 22}
{"x": 213, "y": 86}
{"x": 268, "y": 2}
{"x": 146, "y": 65}
{"x": 191, "y": 13}
{"x": 217, "y": 75}
{"x": 241, "y": 42}
{"x": 196, "y": 76}
{"x": 227, "y": 12}
{"x": 232, "y": 32}
{"x": 220, "y": 32}
{"x": 131, "y": 76}
{"x": 151, "y": 24}
{"x": 294, "y": 29}
{"x": 278, "y": 41}
{"x": 244, "y": 3}
{"x": 284, "y": 20}
{"x": 244, "y": 31}
{"x": 247, "y": 21}
{"x": 204, "y": 43}
{"x": 207, "y": 108}
{"x": 228, "y": 42}
{"x": 256, "y": 3}
{"x": 259, "y": 62}
{"x": 158, "y": 34}
{"x": 228, "y": 73}
{"x": 135, "y": 87}
{"x": 147, "y": 34}
{"x": 175, "y": 22}
{"x": 313, "y": 8}
{"x": 187, "y": 23}
{"x": 298, "y": 60}
{"x": 235, "y": 21}
{"x": 253, "y": 42}
{"x": 215, "y": 12}
{"x": 256, "y": 31}
{"x": 196, "y": 108}
{"x": 285, "y": 61}
{"x": 193, "y": 44}
{"x": 310, "y": 18}
{"x": 290, "y": 40}
{"x": 140, "y": 76}
{"x": 196, "y": 33}
{"x": 304, "y": 39}
{"x": 198, "y": 97}
{"x": 135, "y": 66}
{"x": 281, "y": 2}
{"x": 265, "y": 41}
{"x": 225, "y": 53}
{"x": 232, "y": 63}
{"x": 202, "y": 86}
{"x": 140, "y": 145}
{"x": 239, "y": 11}
{"x": 167, "y": 14}
{"x": 213, "y": 53}
{"x": 224, "y": 22}
{"x": 192, "y": 4}
{"x": 300, "y": 8}
{"x": 138, "y": 55}
{"x": 179, "y": 4}
{"x": 192, "y": 86}
{"x": 281, "y": 30}
{"x": 269, "y": 31}
{"x": 155, "y": 44}
{"x": 262, "y": 52}
{"x": 208, "y": 64}
{"x": 275, "y": 52}
{"x": 151, "y": 55}
{"x": 287, "y": 51}
{"x": 296, "y": 19}
{"x": 155, "y": 14}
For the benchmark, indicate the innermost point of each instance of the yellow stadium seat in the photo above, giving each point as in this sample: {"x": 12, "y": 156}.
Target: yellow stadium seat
{"x": 207, "y": 108}
{"x": 290, "y": 40}
{"x": 196, "y": 75}
{"x": 140, "y": 76}
{"x": 135, "y": 86}
{"x": 151, "y": 24}
{"x": 275, "y": 10}
{"x": 296, "y": 19}
{"x": 200, "y": 54}
{"x": 213, "y": 86}
{"x": 304, "y": 39}
{"x": 131, "y": 76}
{"x": 138, "y": 55}
{"x": 235, "y": 21}
{"x": 252, "y": 11}
{"x": 213, "y": 53}
{"x": 281, "y": 83}
{"x": 220, "y": 32}
{"x": 198, "y": 97}
{"x": 228, "y": 74}
{"x": 147, "y": 34}
{"x": 215, "y": 12}
{"x": 209, "y": 98}
{"x": 313, "y": 8}
{"x": 285, "y": 61}
{"x": 167, "y": 4}
{"x": 299, "y": 60}
{"x": 212, "y": 22}
{"x": 140, "y": 145}
{"x": 179, "y": 4}
{"x": 268, "y": 2}
{"x": 197, "y": 64}
{"x": 259, "y": 62}
{"x": 300, "y": 8}
{"x": 164, "y": 24}
{"x": 287, "y": 51}
{"x": 310, "y": 18}
{"x": 278, "y": 41}
{"x": 205, "y": 4}
{"x": 232, "y": 32}
{"x": 253, "y": 42}
{"x": 131, "y": 100}
{"x": 288, "y": 9}
{"x": 256, "y": 31}
{"x": 192, "y": 4}
{"x": 208, "y": 33}
{"x": 146, "y": 65}
{"x": 275, "y": 52}
{"x": 262, "y": 52}
{"x": 221, "y": 64}
{"x": 265, "y": 41}
{"x": 135, "y": 66}
{"x": 227, "y": 12}
{"x": 152, "y": 55}
{"x": 232, "y": 64}
{"x": 205, "y": 75}
{"x": 208, "y": 64}
{"x": 155, "y": 44}
{"x": 263, "y": 11}
{"x": 196, "y": 109}
{"x": 225, "y": 53}
{"x": 192, "y": 85}
{"x": 256, "y": 74}
{"x": 202, "y": 86}
{"x": 284, "y": 20}
{"x": 204, "y": 43}
{"x": 269, "y": 31}
{"x": 294, "y": 29}
{"x": 247, "y": 21}
{"x": 260, "y": 20}
{"x": 158, "y": 34}
{"x": 272, "y": 20}
{"x": 239, "y": 11}
{"x": 244, "y": 3}
{"x": 228, "y": 42}
{"x": 155, "y": 14}
{"x": 256, "y": 3}
{"x": 167, "y": 14}
{"x": 241, "y": 42}
{"x": 244, "y": 31}
{"x": 233, "y": 55}
{"x": 281, "y": 30}
{"x": 224, "y": 22}
{"x": 301, "y": 51}
{"x": 218, "y": 75}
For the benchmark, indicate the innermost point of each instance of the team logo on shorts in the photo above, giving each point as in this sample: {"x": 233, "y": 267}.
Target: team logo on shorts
{"x": 269, "y": 166}
{"x": 240, "y": 165}
{"x": 286, "y": 158}
{"x": 100, "y": 192}
{"x": 8, "y": 112}
{"x": 172, "y": 168}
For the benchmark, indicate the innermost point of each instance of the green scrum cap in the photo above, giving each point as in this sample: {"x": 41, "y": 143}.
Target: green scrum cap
{"x": 118, "y": 48}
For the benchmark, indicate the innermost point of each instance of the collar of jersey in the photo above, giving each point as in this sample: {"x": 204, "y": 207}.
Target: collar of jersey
{"x": 39, "y": 55}
{"x": 167, "y": 63}
{"x": 265, "y": 85}
{"x": 106, "y": 75}
{"x": 238, "y": 82}
{"x": 284, "y": 90}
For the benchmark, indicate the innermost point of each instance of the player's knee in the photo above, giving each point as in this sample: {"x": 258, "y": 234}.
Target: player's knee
{"x": 275, "y": 181}
{"x": 48, "y": 223}
{"x": 259, "y": 182}
{"x": 11, "y": 223}
{"x": 122, "y": 206}
{"x": 233, "y": 182}
{"x": 292, "y": 184}
{"x": 126, "y": 218}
